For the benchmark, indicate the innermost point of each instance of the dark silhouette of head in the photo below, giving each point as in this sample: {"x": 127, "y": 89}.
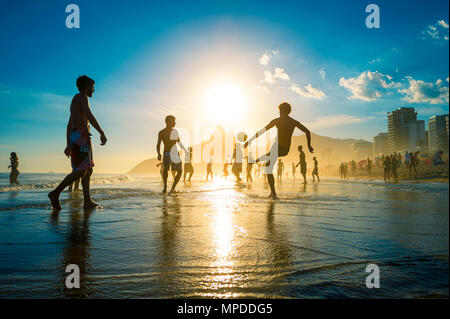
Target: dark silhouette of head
{"x": 285, "y": 108}
{"x": 170, "y": 121}
{"x": 300, "y": 148}
{"x": 14, "y": 156}
{"x": 85, "y": 85}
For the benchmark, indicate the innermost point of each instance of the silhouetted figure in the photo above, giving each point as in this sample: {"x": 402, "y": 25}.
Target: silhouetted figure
{"x": 387, "y": 168}
{"x": 280, "y": 169}
{"x": 209, "y": 170}
{"x": 188, "y": 167}
{"x": 14, "y": 159}
{"x": 345, "y": 170}
{"x": 315, "y": 172}
{"x": 369, "y": 167}
{"x": 414, "y": 161}
{"x": 225, "y": 170}
{"x": 238, "y": 157}
{"x": 408, "y": 160}
{"x": 302, "y": 163}
{"x": 293, "y": 171}
{"x": 394, "y": 166}
{"x": 342, "y": 170}
{"x": 353, "y": 167}
{"x": 79, "y": 146}
{"x": 249, "y": 171}
{"x": 171, "y": 159}
{"x": 285, "y": 128}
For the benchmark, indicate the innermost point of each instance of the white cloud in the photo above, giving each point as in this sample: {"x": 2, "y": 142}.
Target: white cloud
{"x": 268, "y": 77}
{"x": 264, "y": 59}
{"x": 322, "y": 74}
{"x": 336, "y": 120}
{"x": 308, "y": 91}
{"x": 443, "y": 24}
{"x": 281, "y": 74}
{"x": 426, "y": 92}
{"x": 368, "y": 86}
{"x": 437, "y": 32}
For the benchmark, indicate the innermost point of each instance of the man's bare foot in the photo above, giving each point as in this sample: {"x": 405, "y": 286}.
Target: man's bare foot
{"x": 172, "y": 191}
{"x": 54, "y": 201}
{"x": 273, "y": 196}
{"x": 90, "y": 205}
{"x": 164, "y": 190}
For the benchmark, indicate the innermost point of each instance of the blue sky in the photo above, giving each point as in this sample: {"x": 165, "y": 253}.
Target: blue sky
{"x": 151, "y": 58}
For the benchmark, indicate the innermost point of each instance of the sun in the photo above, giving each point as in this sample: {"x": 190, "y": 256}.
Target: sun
{"x": 224, "y": 103}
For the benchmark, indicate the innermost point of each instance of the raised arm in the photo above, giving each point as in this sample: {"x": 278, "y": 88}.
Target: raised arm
{"x": 308, "y": 134}
{"x": 261, "y": 132}
{"x": 158, "y": 146}
{"x": 69, "y": 128}
{"x": 182, "y": 146}
{"x": 87, "y": 111}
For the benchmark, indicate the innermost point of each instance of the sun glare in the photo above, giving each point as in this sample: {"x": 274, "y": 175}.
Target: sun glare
{"x": 224, "y": 104}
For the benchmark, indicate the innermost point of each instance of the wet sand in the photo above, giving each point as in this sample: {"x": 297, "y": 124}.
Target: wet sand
{"x": 220, "y": 240}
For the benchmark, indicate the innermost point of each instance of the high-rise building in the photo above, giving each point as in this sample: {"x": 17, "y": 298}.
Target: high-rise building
{"x": 380, "y": 144}
{"x": 416, "y": 136}
{"x": 399, "y": 129}
{"x": 438, "y": 133}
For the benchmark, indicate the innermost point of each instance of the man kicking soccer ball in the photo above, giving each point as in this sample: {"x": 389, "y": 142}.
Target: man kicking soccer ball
{"x": 285, "y": 128}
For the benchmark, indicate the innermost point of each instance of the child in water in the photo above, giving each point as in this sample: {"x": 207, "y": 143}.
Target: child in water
{"x": 14, "y": 169}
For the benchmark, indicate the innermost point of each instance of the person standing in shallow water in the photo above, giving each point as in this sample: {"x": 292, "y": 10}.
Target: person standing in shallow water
{"x": 79, "y": 146}
{"x": 14, "y": 169}
{"x": 315, "y": 172}
{"x": 285, "y": 128}
{"x": 302, "y": 163}
{"x": 209, "y": 170}
{"x": 170, "y": 159}
{"x": 280, "y": 170}
{"x": 188, "y": 168}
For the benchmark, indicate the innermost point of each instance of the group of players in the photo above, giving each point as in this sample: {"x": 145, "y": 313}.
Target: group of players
{"x": 285, "y": 127}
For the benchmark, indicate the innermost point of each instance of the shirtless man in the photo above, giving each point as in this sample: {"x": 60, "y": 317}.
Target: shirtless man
{"x": 280, "y": 169}
{"x": 79, "y": 146}
{"x": 169, "y": 136}
{"x": 188, "y": 168}
{"x": 302, "y": 163}
{"x": 285, "y": 128}
{"x": 315, "y": 172}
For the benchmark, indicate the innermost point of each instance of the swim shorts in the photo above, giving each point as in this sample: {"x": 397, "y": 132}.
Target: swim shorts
{"x": 80, "y": 150}
{"x": 167, "y": 162}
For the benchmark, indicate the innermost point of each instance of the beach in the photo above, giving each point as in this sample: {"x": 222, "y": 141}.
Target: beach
{"x": 224, "y": 240}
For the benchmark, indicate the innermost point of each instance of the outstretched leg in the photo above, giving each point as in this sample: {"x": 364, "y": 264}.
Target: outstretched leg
{"x": 68, "y": 180}
{"x": 176, "y": 180}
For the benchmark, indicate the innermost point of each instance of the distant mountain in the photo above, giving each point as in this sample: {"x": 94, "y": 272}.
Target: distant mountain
{"x": 329, "y": 151}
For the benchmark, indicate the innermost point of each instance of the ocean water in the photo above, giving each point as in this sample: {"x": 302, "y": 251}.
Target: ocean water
{"x": 225, "y": 240}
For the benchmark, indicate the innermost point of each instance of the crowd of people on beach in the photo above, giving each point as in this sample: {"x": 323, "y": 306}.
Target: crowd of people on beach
{"x": 79, "y": 149}
{"x": 390, "y": 165}
{"x": 250, "y": 173}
